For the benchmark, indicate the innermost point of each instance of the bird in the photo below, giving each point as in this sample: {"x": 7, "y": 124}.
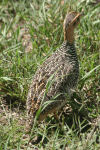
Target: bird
{"x": 56, "y": 79}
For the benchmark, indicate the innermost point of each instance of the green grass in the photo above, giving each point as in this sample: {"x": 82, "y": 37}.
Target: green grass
{"x": 30, "y": 31}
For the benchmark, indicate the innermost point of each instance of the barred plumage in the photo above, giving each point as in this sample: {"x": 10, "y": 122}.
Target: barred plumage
{"x": 63, "y": 66}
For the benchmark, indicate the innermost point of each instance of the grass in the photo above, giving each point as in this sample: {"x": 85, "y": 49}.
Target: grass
{"x": 30, "y": 31}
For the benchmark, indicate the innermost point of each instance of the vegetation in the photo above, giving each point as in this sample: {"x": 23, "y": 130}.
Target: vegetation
{"x": 30, "y": 31}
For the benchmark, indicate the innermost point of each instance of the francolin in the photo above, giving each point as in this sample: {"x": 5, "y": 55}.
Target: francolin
{"x": 62, "y": 67}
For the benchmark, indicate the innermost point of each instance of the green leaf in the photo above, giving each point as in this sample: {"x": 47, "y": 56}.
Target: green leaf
{"x": 89, "y": 73}
{"x": 6, "y": 78}
{"x": 96, "y": 22}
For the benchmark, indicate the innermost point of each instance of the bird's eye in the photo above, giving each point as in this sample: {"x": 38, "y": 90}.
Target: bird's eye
{"x": 78, "y": 19}
{"x": 74, "y": 24}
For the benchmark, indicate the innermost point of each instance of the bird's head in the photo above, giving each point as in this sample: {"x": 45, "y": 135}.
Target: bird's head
{"x": 71, "y": 21}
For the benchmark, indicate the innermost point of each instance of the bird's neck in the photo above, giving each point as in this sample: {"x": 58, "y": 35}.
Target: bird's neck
{"x": 69, "y": 35}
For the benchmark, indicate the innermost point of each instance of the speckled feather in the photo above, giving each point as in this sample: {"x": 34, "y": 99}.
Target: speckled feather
{"x": 64, "y": 64}
{"x": 64, "y": 67}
